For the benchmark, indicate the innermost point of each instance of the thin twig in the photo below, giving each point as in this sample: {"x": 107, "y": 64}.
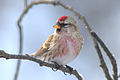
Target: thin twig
{"x": 25, "y": 3}
{"x": 102, "y": 62}
{"x": 82, "y": 18}
{"x": 20, "y": 45}
{"x": 109, "y": 54}
{"x": 20, "y": 51}
{"x": 30, "y": 58}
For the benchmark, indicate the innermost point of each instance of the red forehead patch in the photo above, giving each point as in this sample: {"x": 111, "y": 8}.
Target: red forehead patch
{"x": 63, "y": 18}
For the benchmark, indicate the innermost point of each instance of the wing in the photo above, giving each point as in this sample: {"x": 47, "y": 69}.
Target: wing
{"x": 44, "y": 48}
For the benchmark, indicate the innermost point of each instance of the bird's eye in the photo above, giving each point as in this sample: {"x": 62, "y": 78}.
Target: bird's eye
{"x": 62, "y": 24}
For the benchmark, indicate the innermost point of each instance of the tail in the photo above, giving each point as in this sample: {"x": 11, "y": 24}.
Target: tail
{"x": 34, "y": 55}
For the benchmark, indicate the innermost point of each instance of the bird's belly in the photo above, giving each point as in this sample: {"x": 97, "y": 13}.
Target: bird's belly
{"x": 67, "y": 57}
{"x": 63, "y": 60}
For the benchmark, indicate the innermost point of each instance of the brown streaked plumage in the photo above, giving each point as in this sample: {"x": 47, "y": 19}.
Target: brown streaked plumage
{"x": 64, "y": 44}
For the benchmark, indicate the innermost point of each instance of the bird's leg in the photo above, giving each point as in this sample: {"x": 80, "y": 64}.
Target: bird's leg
{"x": 57, "y": 66}
{"x": 70, "y": 68}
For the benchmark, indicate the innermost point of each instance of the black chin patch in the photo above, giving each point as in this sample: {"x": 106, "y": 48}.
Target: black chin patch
{"x": 58, "y": 30}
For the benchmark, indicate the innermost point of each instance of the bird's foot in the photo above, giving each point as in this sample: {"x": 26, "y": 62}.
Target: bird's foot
{"x": 57, "y": 66}
{"x": 70, "y": 68}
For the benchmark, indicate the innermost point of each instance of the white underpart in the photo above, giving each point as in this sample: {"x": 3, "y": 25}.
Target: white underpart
{"x": 65, "y": 59}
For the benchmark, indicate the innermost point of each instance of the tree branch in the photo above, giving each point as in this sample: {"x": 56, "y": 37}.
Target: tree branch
{"x": 102, "y": 62}
{"x": 109, "y": 54}
{"x": 25, "y": 3}
{"x": 20, "y": 44}
{"x": 30, "y": 58}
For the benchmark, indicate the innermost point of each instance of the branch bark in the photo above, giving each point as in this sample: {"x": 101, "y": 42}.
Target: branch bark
{"x": 30, "y": 58}
{"x": 20, "y": 45}
{"x": 109, "y": 54}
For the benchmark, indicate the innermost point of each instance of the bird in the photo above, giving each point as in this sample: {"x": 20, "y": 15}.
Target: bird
{"x": 64, "y": 45}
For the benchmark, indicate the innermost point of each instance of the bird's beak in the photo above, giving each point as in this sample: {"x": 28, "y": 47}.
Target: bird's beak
{"x": 57, "y": 26}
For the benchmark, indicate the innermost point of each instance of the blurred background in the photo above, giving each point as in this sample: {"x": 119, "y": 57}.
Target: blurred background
{"x": 102, "y": 15}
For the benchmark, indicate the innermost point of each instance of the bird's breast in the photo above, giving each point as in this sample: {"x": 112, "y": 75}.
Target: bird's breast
{"x": 67, "y": 51}
{"x": 70, "y": 45}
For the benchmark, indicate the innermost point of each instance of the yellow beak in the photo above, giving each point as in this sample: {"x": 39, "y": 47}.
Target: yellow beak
{"x": 57, "y": 26}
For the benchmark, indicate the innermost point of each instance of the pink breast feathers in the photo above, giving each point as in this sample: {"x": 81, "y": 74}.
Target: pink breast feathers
{"x": 75, "y": 45}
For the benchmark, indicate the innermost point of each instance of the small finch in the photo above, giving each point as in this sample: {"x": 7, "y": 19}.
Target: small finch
{"x": 64, "y": 44}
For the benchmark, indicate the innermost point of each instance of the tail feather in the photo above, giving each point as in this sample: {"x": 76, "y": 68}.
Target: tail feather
{"x": 32, "y": 54}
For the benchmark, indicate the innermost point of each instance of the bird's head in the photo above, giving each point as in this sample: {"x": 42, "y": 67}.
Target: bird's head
{"x": 66, "y": 24}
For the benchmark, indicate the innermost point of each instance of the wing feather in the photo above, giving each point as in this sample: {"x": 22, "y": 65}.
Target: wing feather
{"x": 44, "y": 48}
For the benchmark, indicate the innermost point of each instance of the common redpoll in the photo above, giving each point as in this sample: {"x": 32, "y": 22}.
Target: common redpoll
{"x": 64, "y": 44}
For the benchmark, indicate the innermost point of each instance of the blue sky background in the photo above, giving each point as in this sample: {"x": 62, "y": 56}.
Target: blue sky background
{"x": 102, "y": 15}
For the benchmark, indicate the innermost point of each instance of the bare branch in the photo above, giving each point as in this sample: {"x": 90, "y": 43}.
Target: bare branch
{"x": 109, "y": 54}
{"x": 20, "y": 44}
{"x": 102, "y": 62}
{"x": 20, "y": 50}
{"x": 26, "y": 57}
{"x": 25, "y": 3}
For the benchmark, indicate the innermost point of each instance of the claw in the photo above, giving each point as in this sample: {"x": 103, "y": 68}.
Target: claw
{"x": 57, "y": 66}
{"x": 70, "y": 68}
{"x": 65, "y": 73}
{"x": 54, "y": 69}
